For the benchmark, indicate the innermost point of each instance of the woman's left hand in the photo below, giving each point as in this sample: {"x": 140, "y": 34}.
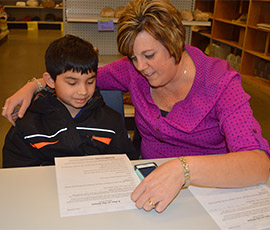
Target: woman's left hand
{"x": 160, "y": 187}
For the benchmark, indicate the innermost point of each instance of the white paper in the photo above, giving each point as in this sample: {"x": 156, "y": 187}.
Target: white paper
{"x": 95, "y": 184}
{"x": 245, "y": 208}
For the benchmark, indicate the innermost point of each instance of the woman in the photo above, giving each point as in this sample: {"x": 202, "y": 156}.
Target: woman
{"x": 187, "y": 105}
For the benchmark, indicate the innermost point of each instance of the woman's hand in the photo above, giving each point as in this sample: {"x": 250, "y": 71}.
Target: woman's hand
{"x": 160, "y": 187}
{"x": 21, "y": 98}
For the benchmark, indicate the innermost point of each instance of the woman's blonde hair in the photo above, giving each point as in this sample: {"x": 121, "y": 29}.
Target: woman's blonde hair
{"x": 157, "y": 17}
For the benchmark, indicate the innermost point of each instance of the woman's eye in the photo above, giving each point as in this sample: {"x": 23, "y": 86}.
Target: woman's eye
{"x": 90, "y": 82}
{"x": 149, "y": 56}
{"x": 133, "y": 58}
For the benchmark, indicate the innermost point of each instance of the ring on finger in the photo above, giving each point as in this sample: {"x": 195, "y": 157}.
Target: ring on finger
{"x": 153, "y": 205}
{"x": 3, "y": 108}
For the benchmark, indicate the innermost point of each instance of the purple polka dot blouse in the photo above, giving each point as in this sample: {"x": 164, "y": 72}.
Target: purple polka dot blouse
{"x": 214, "y": 118}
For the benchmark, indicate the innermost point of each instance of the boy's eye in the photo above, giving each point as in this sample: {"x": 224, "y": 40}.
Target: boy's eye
{"x": 71, "y": 83}
{"x": 90, "y": 82}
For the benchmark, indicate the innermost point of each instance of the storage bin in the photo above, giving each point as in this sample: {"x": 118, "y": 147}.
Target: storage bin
{"x": 220, "y": 51}
{"x": 32, "y": 26}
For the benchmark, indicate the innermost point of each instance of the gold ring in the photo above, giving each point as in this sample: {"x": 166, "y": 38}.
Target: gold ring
{"x": 152, "y": 204}
{"x": 4, "y": 108}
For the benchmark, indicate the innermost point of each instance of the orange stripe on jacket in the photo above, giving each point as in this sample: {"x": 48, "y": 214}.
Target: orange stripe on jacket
{"x": 105, "y": 140}
{"x": 42, "y": 144}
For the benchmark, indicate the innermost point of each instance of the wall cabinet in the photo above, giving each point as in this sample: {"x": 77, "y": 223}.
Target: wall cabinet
{"x": 17, "y": 14}
{"x": 235, "y": 24}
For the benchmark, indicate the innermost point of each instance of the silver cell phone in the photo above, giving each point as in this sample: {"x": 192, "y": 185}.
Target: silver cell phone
{"x": 144, "y": 169}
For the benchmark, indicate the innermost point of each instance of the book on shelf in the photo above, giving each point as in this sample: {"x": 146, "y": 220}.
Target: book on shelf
{"x": 265, "y": 26}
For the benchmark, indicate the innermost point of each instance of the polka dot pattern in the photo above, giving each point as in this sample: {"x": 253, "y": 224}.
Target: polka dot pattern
{"x": 215, "y": 117}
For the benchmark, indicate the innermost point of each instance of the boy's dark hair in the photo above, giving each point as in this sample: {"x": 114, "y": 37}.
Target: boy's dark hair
{"x": 70, "y": 53}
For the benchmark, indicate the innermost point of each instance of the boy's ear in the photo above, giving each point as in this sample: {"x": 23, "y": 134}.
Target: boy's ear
{"x": 48, "y": 79}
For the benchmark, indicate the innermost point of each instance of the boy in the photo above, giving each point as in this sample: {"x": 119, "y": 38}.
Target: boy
{"x": 73, "y": 121}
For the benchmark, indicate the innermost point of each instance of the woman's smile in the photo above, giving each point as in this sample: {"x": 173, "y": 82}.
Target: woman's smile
{"x": 147, "y": 74}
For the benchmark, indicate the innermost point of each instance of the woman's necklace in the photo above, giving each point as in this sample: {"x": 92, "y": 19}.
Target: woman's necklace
{"x": 185, "y": 71}
{"x": 185, "y": 63}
